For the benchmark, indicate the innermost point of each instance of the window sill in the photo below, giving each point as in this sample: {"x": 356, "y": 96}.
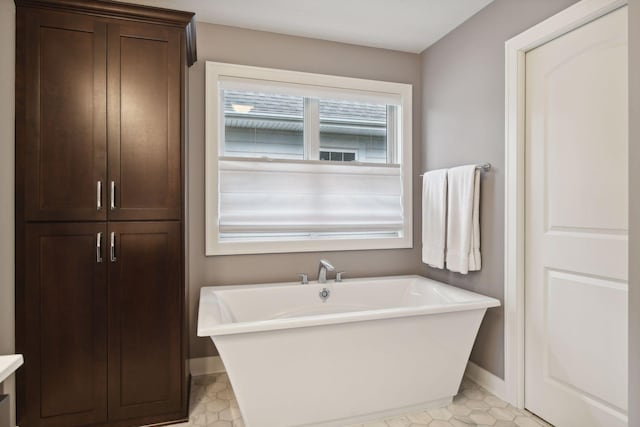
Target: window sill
{"x": 246, "y": 248}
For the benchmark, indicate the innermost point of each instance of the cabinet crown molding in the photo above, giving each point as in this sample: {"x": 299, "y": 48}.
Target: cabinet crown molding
{"x": 134, "y": 12}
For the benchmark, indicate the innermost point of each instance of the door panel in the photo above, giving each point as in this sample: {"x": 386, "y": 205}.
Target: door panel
{"x": 65, "y": 140}
{"x": 576, "y": 226}
{"x": 144, "y": 122}
{"x": 66, "y": 331}
{"x": 571, "y": 362}
{"x": 145, "y": 319}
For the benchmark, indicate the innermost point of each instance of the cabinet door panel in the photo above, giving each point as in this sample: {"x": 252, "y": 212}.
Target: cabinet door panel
{"x": 65, "y": 118}
{"x": 66, "y": 331}
{"x": 144, "y": 122}
{"x": 145, "y": 319}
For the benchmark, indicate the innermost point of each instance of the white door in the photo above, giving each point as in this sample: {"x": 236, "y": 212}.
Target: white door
{"x": 576, "y": 226}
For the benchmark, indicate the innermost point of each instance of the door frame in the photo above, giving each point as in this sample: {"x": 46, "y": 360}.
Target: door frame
{"x": 565, "y": 21}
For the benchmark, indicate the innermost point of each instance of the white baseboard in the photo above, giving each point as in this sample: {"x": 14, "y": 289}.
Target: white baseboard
{"x": 486, "y": 380}
{"x": 206, "y": 366}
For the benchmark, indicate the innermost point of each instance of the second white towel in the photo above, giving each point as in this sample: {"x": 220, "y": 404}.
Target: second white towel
{"x": 463, "y": 219}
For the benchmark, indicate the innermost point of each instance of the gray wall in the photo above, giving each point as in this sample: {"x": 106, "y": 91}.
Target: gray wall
{"x": 240, "y": 46}
{"x": 634, "y": 213}
{"x": 7, "y": 117}
{"x": 463, "y": 122}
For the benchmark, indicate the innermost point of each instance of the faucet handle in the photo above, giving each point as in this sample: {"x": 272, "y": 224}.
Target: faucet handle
{"x": 304, "y": 278}
{"x": 339, "y": 276}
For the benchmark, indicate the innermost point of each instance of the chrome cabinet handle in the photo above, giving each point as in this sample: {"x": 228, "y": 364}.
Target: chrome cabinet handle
{"x": 112, "y": 247}
{"x": 99, "y": 247}
{"x": 113, "y": 195}
{"x": 99, "y": 195}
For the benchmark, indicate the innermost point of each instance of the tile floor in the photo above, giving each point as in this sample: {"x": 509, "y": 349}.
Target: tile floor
{"x": 214, "y": 405}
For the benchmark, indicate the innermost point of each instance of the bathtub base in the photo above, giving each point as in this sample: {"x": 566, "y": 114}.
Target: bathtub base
{"x": 328, "y": 374}
{"x": 439, "y": 403}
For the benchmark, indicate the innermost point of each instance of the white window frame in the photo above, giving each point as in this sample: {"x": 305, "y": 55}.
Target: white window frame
{"x": 323, "y": 85}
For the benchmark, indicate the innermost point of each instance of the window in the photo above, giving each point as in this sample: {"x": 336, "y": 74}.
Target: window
{"x": 271, "y": 125}
{"x": 305, "y": 162}
{"x": 258, "y": 124}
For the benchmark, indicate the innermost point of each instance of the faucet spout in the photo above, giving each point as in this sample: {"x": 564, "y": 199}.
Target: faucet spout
{"x": 324, "y": 266}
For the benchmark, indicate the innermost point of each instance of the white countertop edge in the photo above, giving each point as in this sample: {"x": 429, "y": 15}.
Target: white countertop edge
{"x": 9, "y": 364}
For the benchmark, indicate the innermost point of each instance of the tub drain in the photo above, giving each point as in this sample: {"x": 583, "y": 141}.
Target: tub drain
{"x": 324, "y": 294}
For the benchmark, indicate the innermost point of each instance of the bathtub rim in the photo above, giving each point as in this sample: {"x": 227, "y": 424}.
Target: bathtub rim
{"x": 207, "y": 326}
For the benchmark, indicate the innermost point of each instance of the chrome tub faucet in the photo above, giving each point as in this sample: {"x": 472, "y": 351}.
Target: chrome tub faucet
{"x": 324, "y": 266}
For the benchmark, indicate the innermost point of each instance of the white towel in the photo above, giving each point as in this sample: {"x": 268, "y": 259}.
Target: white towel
{"x": 434, "y": 217}
{"x": 463, "y": 219}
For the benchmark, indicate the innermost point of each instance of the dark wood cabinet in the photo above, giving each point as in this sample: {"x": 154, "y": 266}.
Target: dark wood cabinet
{"x": 145, "y": 304}
{"x": 64, "y": 100}
{"x": 144, "y": 122}
{"x": 100, "y": 269}
{"x": 66, "y": 301}
{"x": 81, "y": 90}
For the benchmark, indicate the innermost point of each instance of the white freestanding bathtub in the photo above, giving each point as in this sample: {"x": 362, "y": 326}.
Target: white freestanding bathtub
{"x": 375, "y": 347}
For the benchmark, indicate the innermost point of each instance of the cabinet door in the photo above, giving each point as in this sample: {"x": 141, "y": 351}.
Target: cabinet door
{"x": 61, "y": 109}
{"x": 144, "y": 121}
{"x": 65, "y": 299}
{"x": 145, "y": 319}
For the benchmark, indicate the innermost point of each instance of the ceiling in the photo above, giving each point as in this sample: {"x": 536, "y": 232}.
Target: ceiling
{"x": 405, "y": 25}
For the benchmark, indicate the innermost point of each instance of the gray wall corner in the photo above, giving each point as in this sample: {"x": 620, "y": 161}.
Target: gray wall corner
{"x": 463, "y": 122}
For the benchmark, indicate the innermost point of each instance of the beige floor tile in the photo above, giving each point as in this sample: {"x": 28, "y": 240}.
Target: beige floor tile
{"x": 216, "y": 406}
{"x": 212, "y": 418}
{"x": 462, "y": 421}
{"x": 229, "y": 414}
{"x": 440, "y": 414}
{"x": 480, "y": 417}
{"x": 495, "y": 402}
{"x": 516, "y": 412}
{"x": 398, "y": 422}
{"x": 477, "y": 405}
{"x": 420, "y": 418}
{"x": 226, "y": 394}
{"x": 456, "y": 409}
{"x": 473, "y": 393}
{"x": 213, "y": 404}
{"x": 501, "y": 414}
{"x": 526, "y": 422}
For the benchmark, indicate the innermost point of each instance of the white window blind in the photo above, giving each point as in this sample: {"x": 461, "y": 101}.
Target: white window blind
{"x": 268, "y": 196}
